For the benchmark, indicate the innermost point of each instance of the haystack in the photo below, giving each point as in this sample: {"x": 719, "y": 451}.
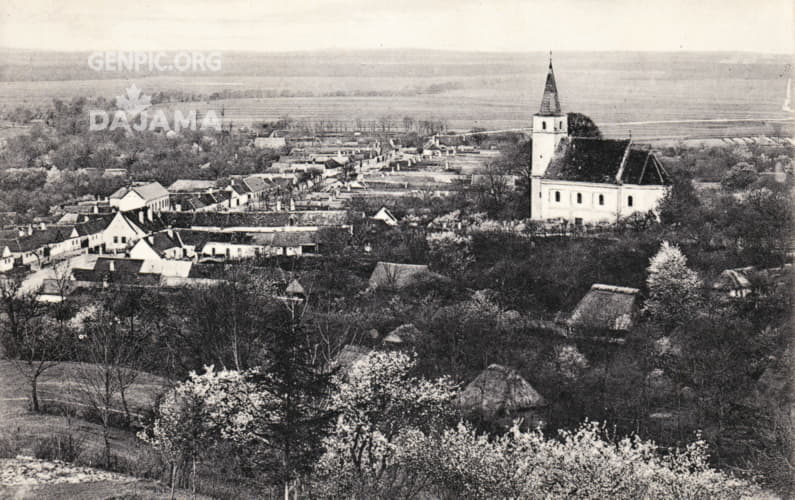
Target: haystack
{"x": 499, "y": 391}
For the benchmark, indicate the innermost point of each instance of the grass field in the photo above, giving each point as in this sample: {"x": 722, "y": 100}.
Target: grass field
{"x": 19, "y": 428}
{"x": 620, "y": 91}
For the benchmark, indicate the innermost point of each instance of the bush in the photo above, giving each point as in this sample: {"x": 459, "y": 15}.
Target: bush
{"x": 63, "y": 447}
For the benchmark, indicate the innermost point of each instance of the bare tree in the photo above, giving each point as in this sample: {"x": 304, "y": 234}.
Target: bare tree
{"x": 33, "y": 342}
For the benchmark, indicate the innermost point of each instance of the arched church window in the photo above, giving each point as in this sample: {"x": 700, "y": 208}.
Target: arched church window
{"x": 557, "y": 195}
{"x": 629, "y": 201}
{"x": 579, "y": 198}
{"x": 601, "y": 199}
{"x": 543, "y": 125}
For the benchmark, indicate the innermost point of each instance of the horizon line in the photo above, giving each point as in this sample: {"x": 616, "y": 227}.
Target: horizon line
{"x": 425, "y": 49}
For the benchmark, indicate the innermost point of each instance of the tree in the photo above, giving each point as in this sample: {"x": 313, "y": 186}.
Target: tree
{"x": 34, "y": 342}
{"x": 282, "y": 419}
{"x": 739, "y": 177}
{"x": 581, "y": 125}
{"x": 449, "y": 252}
{"x": 185, "y": 421}
{"x": 379, "y": 404}
{"x": 674, "y": 289}
{"x": 109, "y": 352}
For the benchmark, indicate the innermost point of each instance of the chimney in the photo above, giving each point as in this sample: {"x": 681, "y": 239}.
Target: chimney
{"x": 292, "y": 205}
{"x": 22, "y": 232}
{"x": 278, "y": 205}
{"x": 96, "y": 209}
{"x": 43, "y": 226}
{"x": 141, "y": 217}
{"x": 111, "y": 266}
{"x": 30, "y": 229}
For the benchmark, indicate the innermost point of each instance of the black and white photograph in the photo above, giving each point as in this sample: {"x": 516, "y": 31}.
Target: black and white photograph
{"x": 416, "y": 250}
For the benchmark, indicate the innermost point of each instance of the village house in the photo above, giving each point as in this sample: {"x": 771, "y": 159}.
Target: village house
{"x": 605, "y": 310}
{"x": 588, "y": 180}
{"x": 501, "y": 395}
{"x": 123, "y": 231}
{"x": 235, "y": 246}
{"x": 384, "y": 215}
{"x": 151, "y": 195}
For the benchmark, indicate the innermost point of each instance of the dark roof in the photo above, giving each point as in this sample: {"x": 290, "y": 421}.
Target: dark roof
{"x": 606, "y": 307}
{"x": 124, "y": 271}
{"x": 156, "y": 224}
{"x": 161, "y": 242}
{"x": 93, "y": 225}
{"x": 39, "y": 238}
{"x": 643, "y": 168}
{"x": 605, "y": 161}
{"x": 257, "y": 219}
{"x": 550, "y": 102}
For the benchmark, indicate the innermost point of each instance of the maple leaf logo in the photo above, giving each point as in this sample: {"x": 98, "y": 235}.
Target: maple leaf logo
{"x": 134, "y": 102}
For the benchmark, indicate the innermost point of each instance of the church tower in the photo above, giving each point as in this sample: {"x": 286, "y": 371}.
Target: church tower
{"x": 550, "y": 126}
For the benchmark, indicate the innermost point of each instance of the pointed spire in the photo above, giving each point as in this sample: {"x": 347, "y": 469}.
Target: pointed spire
{"x": 550, "y": 103}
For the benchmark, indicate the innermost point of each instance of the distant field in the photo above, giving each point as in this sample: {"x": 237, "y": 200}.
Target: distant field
{"x": 493, "y": 91}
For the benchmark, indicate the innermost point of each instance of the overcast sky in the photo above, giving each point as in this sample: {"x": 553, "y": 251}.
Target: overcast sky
{"x": 490, "y": 25}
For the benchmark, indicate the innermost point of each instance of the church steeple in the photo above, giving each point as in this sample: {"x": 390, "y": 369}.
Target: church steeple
{"x": 550, "y": 103}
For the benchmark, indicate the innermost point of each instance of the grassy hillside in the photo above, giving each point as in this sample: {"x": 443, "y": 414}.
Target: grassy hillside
{"x": 21, "y": 429}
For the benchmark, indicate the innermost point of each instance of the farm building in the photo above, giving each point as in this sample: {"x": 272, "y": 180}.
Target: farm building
{"x": 151, "y": 195}
{"x": 393, "y": 276}
{"x": 606, "y": 308}
{"x": 500, "y": 394}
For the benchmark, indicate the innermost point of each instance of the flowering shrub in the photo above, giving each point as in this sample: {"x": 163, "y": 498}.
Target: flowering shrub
{"x": 450, "y": 252}
{"x": 585, "y": 463}
{"x": 379, "y": 403}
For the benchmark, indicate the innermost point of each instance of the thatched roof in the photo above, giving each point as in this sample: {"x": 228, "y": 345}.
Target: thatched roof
{"x": 606, "y": 307}
{"x": 499, "y": 390}
{"x": 393, "y": 276}
{"x": 403, "y": 334}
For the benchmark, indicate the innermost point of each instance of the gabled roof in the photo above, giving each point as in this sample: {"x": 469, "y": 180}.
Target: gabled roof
{"x": 190, "y": 185}
{"x": 151, "y": 191}
{"x": 605, "y": 161}
{"x": 550, "y": 102}
{"x": 255, "y": 184}
{"x": 94, "y": 225}
{"x": 606, "y": 307}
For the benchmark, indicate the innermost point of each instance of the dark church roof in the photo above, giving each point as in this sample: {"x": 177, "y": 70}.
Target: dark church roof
{"x": 606, "y": 161}
{"x": 550, "y": 103}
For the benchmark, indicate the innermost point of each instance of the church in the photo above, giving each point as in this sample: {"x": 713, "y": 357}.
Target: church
{"x": 584, "y": 179}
